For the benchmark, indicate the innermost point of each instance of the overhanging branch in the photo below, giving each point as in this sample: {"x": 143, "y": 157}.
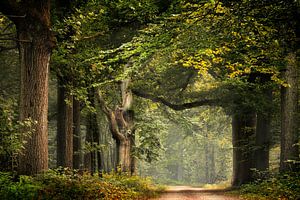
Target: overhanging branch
{"x": 184, "y": 106}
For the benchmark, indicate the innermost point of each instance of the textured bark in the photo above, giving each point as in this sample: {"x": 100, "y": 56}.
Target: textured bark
{"x": 243, "y": 129}
{"x": 77, "y": 155}
{"x": 64, "y": 127}
{"x": 289, "y": 117}
{"x": 263, "y": 135}
{"x": 35, "y": 43}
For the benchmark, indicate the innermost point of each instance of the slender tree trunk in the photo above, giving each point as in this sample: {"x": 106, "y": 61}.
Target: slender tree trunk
{"x": 87, "y": 155}
{"x": 77, "y": 156}
{"x": 289, "y": 117}
{"x": 263, "y": 136}
{"x": 243, "y": 129}
{"x": 206, "y": 152}
{"x": 133, "y": 158}
{"x": 213, "y": 164}
{"x": 35, "y": 53}
{"x": 64, "y": 127}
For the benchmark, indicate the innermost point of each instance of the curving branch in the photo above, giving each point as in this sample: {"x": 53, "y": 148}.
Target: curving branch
{"x": 111, "y": 115}
{"x": 184, "y": 106}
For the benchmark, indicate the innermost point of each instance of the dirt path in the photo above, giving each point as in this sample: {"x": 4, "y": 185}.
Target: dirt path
{"x": 190, "y": 193}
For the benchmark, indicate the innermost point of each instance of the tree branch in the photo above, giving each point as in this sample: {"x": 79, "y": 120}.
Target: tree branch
{"x": 184, "y": 106}
{"x": 111, "y": 117}
{"x": 102, "y": 103}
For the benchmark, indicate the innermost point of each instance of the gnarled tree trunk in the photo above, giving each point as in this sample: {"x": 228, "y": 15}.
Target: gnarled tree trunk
{"x": 122, "y": 127}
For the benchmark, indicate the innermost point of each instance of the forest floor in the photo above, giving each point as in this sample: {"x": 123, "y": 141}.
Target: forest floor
{"x": 191, "y": 193}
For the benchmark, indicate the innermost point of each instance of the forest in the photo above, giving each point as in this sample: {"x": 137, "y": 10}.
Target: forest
{"x": 117, "y": 99}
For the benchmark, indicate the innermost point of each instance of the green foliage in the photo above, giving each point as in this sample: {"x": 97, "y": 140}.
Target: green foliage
{"x": 283, "y": 186}
{"x": 12, "y": 134}
{"x": 62, "y": 184}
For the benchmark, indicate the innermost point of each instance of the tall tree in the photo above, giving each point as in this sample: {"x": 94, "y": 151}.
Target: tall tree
{"x": 35, "y": 42}
{"x": 77, "y": 155}
{"x": 64, "y": 127}
{"x": 289, "y": 116}
{"x": 243, "y": 130}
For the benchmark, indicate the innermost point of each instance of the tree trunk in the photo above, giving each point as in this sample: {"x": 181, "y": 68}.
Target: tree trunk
{"x": 213, "y": 165}
{"x": 243, "y": 129}
{"x": 289, "y": 117}
{"x": 64, "y": 127}
{"x": 124, "y": 155}
{"x": 122, "y": 127}
{"x": 77, "y": 156}
{"x": 263, "y": 128}
{"x": 35, "y": 45}
{"x": 206, "y": 152}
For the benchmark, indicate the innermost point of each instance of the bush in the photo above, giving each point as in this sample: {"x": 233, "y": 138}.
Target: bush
{"x": 11, "y": 133}
{"x": 64, "y": 184}
{"x": 284, "y": 186}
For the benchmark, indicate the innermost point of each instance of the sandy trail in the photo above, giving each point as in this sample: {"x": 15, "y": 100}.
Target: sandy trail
{"x": 191, "y": 193}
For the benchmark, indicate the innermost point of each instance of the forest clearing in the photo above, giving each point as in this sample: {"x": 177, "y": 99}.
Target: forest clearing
{"x": 149, "y": 99}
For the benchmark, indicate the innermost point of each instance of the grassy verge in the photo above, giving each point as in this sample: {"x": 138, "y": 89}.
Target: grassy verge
{"x": 65, "y": 184}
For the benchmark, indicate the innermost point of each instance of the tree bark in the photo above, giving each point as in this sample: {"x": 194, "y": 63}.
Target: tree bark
{"x": 263, "y": 135}
{"x": 35, "y": 42}
{"x": 243, "y": 129}
{"x": 77, "y": 155}
{"x": 64, "y": 127}
{"x": 289, "y": 117}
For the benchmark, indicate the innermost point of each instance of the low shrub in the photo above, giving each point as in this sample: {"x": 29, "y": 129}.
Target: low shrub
{"x": 283, "y": 186}
{"x": 66, "y": 184}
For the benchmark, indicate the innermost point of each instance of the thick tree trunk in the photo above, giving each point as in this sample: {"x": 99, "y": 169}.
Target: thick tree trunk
{"x": 124, "y": 155}
{"x": 263, "y": 136}
{"x": 64, "y": 127}
{"x": 35, "y": 45}
{"x": 289, "y": 117}
{"x": 77, "y": 155}
{"x": 243, "y": 129}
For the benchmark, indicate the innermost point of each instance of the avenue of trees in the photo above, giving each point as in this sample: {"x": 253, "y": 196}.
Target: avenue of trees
{"x": 102, "y": 85}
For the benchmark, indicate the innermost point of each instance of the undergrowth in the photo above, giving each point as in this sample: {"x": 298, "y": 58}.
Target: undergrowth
{"x": 70, "y": 185}
{"x": 283, "y": 187}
